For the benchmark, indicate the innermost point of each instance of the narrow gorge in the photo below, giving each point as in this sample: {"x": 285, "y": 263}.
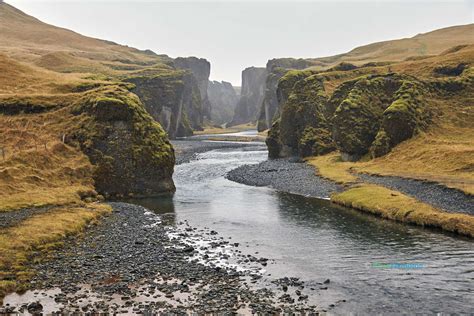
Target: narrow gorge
{"x": 136, "y": 182}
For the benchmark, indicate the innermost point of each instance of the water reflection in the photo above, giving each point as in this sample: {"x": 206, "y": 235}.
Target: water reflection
{"x": 315, "y": 240}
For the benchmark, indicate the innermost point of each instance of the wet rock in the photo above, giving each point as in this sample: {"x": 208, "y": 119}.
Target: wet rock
{"x": 35, "y": 307}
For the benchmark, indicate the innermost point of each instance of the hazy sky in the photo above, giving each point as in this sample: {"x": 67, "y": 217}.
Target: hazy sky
{"x": 234, "y": 35}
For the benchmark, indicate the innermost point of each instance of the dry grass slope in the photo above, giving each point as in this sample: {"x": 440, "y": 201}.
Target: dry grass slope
{"x": 419, "y": 46}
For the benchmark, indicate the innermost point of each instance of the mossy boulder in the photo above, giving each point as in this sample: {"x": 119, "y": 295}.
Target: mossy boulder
{"x": 129, "y": 149}
{"x": 407, "y": 114}
{"x": 357, "y": 119}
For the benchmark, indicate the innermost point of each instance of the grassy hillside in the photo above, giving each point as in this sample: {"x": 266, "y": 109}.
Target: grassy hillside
{"x": 27, "y": 39}
{"x": 442, "y": 149}
{"x": 420, "y": 46}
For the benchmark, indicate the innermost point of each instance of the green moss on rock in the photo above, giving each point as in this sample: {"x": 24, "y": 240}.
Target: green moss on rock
{"x": 378, "y": 113}
{"x": 273, "y": 140}
{"x": 304, "y": 127}
{"x": 357, "y": 119}
{"x": 381, "y": 145}
{"x": 315, "y": 141}
{"x": 129, "y": 148}
{"x": 407, "y": 115}
{"x": 172, "y": 98}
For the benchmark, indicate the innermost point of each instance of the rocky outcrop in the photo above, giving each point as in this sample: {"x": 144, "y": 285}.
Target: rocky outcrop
{"x": 378, "y": 113}
{"x": 172, "y": 97}
{"x": 129, "y": 149}
{"x": 252, "y": 93}
{"x": 304, "y": 126}
{"x": 201, "y": 69}
{"x": 276, "y": 68}
{"x": 223, "y": 99}
{"x": 369, "y": 114}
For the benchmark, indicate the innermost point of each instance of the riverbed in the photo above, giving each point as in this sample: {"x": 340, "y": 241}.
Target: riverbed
{"x": 374, "y": 265}
{"x": 345, "y": 261}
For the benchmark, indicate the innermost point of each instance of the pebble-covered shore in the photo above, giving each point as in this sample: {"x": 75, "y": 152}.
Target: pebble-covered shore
{"x": 292, "y": 176}
{"x": 133, "y": 262}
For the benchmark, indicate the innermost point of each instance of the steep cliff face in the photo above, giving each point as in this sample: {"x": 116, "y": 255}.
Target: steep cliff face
{"x": 201, "y": 69}
{"x": 304, "y": 126}
{"x": 378, "y": 113}
{"x": 369, "y": 114}
{"x": 252, "y": 93}
{"x": 129, "y": 148}
{"x": 276, "y": 68}
{"x": 223, "y": 99}
{"x": 172, "y": 98}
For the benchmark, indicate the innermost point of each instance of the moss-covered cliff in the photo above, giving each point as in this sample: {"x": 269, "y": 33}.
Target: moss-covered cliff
{"x": 276, "y": 68}
{"x": 172, "y": 97}
{"x": 129, "y": 149}
{"x": 378, "y": 113}
{"x": 367, "y": 114}
{"x": 304, "y": 123}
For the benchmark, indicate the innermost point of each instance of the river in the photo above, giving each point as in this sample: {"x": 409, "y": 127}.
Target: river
{"x": 315, "y": 240}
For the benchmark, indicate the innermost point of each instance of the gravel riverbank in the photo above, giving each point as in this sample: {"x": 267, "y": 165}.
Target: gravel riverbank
{"x": 299, "y": 178}
{"x": 133, "y": 262}
{"x": 285, "y": 175}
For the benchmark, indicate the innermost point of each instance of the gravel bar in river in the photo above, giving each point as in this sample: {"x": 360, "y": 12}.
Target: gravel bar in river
{"x": 285, "y": 175}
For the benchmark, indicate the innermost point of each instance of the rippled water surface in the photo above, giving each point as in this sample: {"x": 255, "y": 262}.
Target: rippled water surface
{"x": 314, "y": 240}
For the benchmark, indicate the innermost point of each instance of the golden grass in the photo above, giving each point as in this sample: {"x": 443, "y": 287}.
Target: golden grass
{"x": 332, "y": 167}
{"x": 38, "y": 169}
{"x": 34, "y": 237}
{"x": 422, "y": 45}
{"x": 445, "y": 156}
{"x": 396, "y": 206}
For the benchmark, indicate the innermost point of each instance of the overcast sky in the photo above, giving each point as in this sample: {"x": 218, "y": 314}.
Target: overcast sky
{"x": 234, "y": 35}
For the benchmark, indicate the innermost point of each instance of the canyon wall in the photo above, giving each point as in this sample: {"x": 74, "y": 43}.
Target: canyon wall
{"x": 252, "y": 94}
{"x": 201, "y": 69}
{"x": 276, "y": 68}
{"x": 223, "y": 98}
{"x": 172, "y": 98}
{"x": 363, "y": 115}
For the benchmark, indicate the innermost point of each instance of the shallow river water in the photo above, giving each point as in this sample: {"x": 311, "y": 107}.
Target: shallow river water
{"x": 377, "y": 266}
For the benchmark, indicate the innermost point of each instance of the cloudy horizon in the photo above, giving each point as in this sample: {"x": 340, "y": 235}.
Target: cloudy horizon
{"x": 235, "y": 35}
